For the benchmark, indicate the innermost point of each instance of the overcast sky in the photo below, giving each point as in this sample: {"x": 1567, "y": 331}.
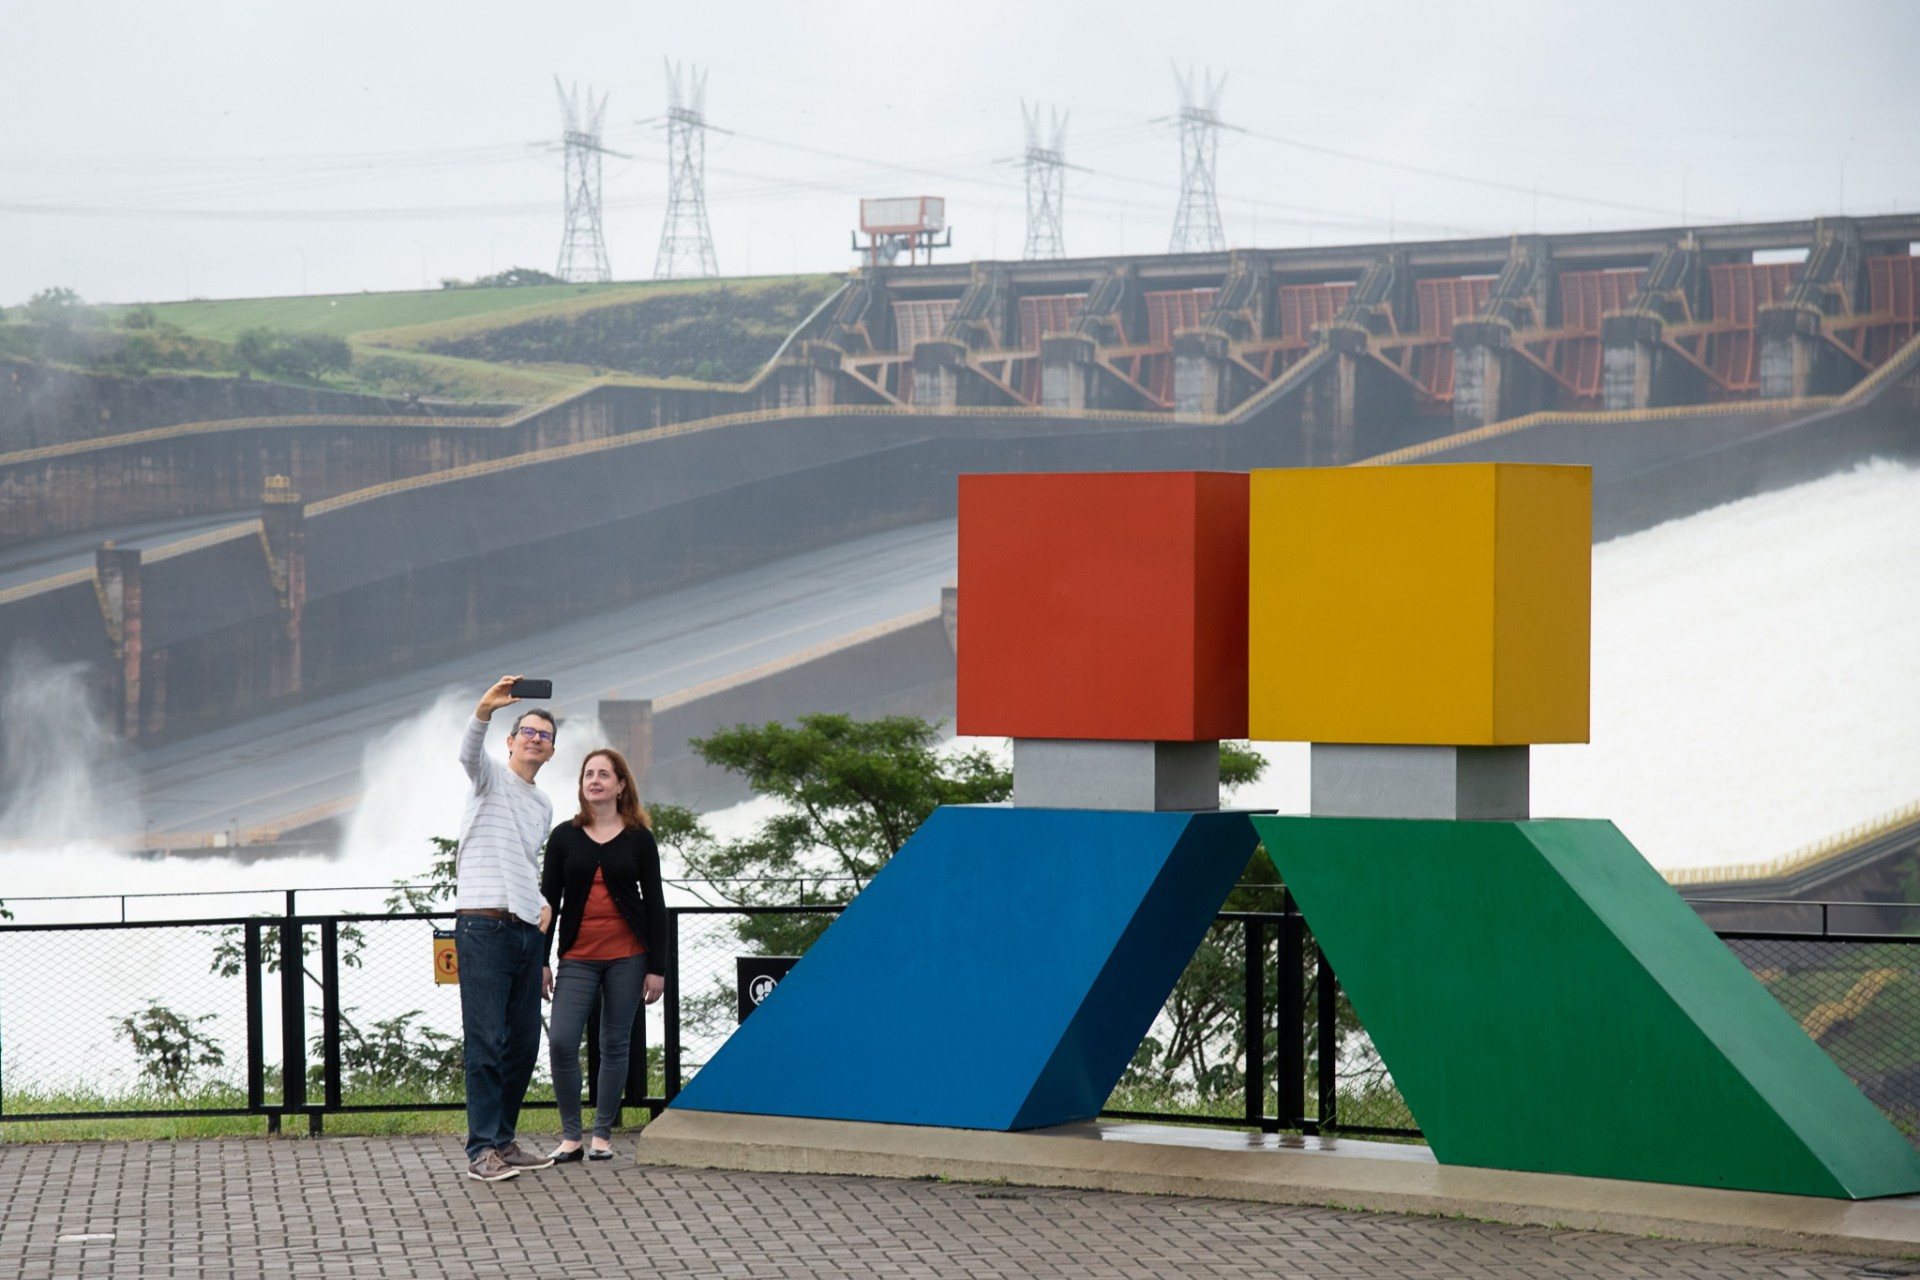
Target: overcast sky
{"x": 231, "y": 148}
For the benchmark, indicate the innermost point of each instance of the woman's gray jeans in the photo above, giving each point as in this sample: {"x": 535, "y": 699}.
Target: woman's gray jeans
{"x": 575, "y": 983}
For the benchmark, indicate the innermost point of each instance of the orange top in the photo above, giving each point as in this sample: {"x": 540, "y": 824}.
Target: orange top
{"x": 604, "y": 932}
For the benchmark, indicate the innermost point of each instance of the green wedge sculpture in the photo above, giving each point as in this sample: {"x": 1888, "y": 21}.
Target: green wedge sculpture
{"x": 1544, "y": 1000}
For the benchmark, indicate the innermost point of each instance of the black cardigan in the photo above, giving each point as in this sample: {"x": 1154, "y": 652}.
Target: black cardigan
{"x": 630, "y": 864}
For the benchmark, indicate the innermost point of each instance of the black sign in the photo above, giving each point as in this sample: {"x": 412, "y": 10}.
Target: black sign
{"x": 758, "y": 976}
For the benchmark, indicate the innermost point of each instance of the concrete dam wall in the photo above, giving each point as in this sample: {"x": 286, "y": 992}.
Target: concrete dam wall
{"x": 200, "y": 467}
{"x": 319, "y": 594}
{"x": 41, "y": 405}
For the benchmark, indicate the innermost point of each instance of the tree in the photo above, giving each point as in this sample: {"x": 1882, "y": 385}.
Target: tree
{"x": 852, "y": 791}
{"x": 230, "y": 948}
{"x": 291, "y": 355}
{"x": 172, "y": 1049}
{"x": 511, "y": 278}
{"x": 59, "y": 309}
{"x": 60, "y": 324}
{"x": 439, "y": 887}
{"x": 1201, "y": 1045}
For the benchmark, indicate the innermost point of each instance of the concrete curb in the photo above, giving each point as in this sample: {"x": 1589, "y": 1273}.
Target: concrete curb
{"x": 1234, "y": 1165}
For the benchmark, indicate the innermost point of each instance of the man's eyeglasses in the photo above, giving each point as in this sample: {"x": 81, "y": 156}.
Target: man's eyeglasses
{"x": 532, "y": 734}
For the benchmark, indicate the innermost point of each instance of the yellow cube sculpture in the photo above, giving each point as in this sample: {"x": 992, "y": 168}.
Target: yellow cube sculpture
{"x": 1427, "y": 605}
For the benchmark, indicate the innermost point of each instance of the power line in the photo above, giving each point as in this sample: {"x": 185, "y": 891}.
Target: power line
{"x": 397, "y": 213}
{"x": 327, "y": 177}
{"x": 1492, "y": 184}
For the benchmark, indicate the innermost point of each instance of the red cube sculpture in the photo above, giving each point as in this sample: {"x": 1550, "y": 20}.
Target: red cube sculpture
{"x": 1109, "y": 606}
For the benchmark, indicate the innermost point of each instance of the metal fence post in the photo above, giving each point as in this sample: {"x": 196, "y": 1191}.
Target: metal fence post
{"x": 1292, "y": 1068}
{"x": 670, "y": 1087}
{"x": 1327, "y": 1043}
{"x": 293, "y": 1016}
{"x": 256, "y": 1029}
{"x": 1254, "y": 1021}
{"x": 638, "y": 1081}
{"x": 330, "y": 1015}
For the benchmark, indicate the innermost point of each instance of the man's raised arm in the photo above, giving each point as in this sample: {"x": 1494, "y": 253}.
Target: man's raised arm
{"x": 473, "y": 745}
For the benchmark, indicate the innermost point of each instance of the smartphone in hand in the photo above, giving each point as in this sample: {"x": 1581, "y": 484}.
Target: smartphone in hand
{"x": 531, "y": 688}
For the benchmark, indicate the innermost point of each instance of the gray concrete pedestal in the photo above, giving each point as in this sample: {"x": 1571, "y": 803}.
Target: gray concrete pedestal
{"x": 1486, "y": 784}
{"x": 1080, "y": 773}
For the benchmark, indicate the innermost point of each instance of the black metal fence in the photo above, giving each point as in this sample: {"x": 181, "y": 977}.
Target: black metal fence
{"x": 301, "y": 1016}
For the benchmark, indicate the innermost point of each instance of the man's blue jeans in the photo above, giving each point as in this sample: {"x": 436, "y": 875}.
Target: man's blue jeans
{"x": 500, "y": 962}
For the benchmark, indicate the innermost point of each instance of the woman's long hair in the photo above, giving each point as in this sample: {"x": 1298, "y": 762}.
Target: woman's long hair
{"x": 632, "y": 812}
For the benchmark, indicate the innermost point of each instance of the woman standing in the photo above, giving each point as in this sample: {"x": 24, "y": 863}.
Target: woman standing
{"x": 602, "y": 878}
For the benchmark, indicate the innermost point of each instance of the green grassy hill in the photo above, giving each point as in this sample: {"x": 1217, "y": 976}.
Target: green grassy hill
{"x": 475, "y": 343}
{"x": 350, "y": 315}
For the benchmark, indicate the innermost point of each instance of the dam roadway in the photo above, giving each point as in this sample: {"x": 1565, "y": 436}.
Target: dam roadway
{"x": 300, "y": 765}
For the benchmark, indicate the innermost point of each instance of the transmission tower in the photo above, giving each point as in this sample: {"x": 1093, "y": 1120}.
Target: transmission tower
{"x": 1196, "y": 223}
{"x": 1046, "y": 183}
{"x": 583, "y": 251}
{"x": 686, "y": 244}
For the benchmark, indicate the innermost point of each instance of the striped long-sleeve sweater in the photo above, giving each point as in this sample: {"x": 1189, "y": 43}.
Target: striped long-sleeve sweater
{"x": 501, "y": 834}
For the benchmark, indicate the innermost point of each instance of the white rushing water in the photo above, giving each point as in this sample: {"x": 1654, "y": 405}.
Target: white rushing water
{"x": 1755, "y": 689}
{"x": 1756, "y": 675}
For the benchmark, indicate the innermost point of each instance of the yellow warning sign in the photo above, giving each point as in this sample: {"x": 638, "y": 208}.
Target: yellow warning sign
{"x": 446, "y": 961}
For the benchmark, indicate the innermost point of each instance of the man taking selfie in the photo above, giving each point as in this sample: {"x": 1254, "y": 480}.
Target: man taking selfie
{"x": 499, "y": 932}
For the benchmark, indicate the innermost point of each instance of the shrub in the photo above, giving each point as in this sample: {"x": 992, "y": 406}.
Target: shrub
{"x": 291, "y": 355}
{"x": 172, "y": 1047}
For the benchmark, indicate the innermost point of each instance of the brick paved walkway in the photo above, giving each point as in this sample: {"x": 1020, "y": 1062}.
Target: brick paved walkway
{"x": 376, "y": 1207}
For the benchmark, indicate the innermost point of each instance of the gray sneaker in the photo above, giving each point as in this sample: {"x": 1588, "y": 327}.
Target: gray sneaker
{"x": 518, "y": 1157}
{"x": 491, "y": 1167}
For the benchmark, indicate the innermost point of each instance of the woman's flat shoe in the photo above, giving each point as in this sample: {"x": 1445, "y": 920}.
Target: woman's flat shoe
{"x": 569, "y": 1157}
{"x": 599, "y": 1153}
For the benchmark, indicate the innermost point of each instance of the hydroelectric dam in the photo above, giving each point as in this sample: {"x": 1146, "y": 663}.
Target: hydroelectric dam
{"x": 242, "y": 566}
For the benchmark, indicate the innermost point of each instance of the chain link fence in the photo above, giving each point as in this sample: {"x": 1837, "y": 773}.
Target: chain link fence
{"x": 202, "y": 1016}
{"x": 1858, "y": 1000}
{"x": 120, "y": 1019}
{"x": 398, "y": 1027}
